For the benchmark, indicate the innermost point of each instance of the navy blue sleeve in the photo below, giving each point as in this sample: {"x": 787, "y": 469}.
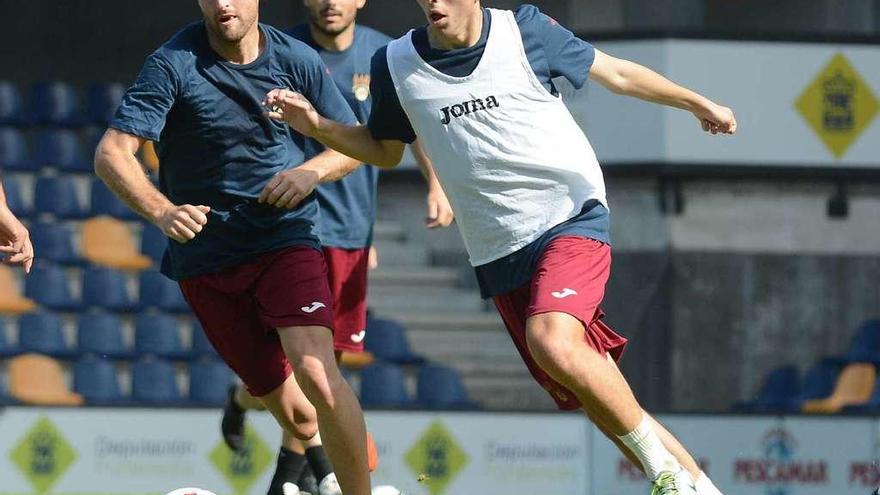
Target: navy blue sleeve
{"x": 322, "y": 92}
{"x": 387, "y": 118}
{"x": 147, "y": 102}
{"x": 548, "y": 44}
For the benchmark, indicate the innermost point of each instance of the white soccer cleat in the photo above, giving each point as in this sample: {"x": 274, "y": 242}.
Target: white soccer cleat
{"x": 386, "y": 490}
{"x": 290, "y": 489}
{"x": 329, "y": 485}
{"x": 674, "y": 483}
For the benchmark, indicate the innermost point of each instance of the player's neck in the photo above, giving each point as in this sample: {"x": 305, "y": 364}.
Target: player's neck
{"x": 463, "y": 36}
{"x": 243, "y": 51}
{"x": 338, "y": 42}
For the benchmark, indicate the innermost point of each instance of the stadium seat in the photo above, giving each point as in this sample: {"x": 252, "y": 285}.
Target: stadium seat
{"x": 386, "y": 340}
{"x": 104, "y": 202}
{"x": 61, "y": 149}
{"x": 56, "y": 104}
{"x": 865, "y": 344}
{"x": 14, "y": 199}
{"x": 39, "y": 380}
{"x": 854, "y": 387}
{"x": 11, "y": 300}
{"x": 209, "y": 380}
{"x": 7, "y": 348}
{"x": 440, "y": 387}
{"x": 158, "y": 335}
{"x": 384, "y": 385}
{"x": 102, "y": 99}
{"x": 201, "y": 346}
{"x": 54, "y": 242}
{"x": 781, "y": 386}
{"x": 154, "y": 382}
{"x": 153, "y": 243}
{"x": 57, "y": 196}
{"x": 43, "y": 333}
{"x": 97, "y": 380}
{"x": 108, "y": 242}
{"x": 106, "y": 288}
{"x": 11, "y": 104}
{"x": 100, "y": 333}
{"x": 14, "y": 153}
{"x": 47, "y": 284}
{"x": 818, "y": 382}
{"x": 158, "y": 291}
{"x": 149, "y": 156}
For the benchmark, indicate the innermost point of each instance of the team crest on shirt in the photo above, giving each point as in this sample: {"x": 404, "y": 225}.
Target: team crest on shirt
{"x": 360, "y": 86}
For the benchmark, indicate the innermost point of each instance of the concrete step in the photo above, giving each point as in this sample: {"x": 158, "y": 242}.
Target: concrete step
{"x": 478, "y": 346}
{"x": 414, "y": 276}
{"x": 443, "y": 322}
{"x": 388, "y": 231}
{"x": 397, "y": 253}
{"x": 417, "y": 298}
{"x": 510, "y": 393}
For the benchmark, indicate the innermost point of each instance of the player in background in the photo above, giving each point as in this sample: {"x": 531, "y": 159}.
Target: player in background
{"x": 237, "y": 202}
{"x": 347, "y": 214}
{"x": 529, "y": 196}
{"x": 15, "y": 240}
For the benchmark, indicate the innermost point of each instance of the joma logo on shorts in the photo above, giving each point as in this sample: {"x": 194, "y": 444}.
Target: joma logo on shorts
{"x": 467, "y": 108}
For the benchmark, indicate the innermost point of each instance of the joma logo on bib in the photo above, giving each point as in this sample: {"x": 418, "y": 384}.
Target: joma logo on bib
{"x": 467, "y": 108}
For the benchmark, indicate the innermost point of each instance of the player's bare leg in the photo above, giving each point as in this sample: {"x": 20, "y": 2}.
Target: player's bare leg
{"x": 341, "y": 420}
{"x": 556, "y": 341}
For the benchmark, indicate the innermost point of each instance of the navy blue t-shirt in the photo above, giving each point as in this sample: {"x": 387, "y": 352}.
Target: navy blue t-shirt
{"x": 216, "y": 146}
{"x": 552, "y": 51}
{"x": 348, "y": 206}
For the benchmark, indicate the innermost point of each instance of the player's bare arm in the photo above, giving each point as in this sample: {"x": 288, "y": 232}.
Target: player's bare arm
{"x": 287, "y": 189}
{"x": 440, "y": 212}
{"x": 15, "y": 241}
{"x": 117, "y": 165}
{"x": 629, "y": 78}
{"x": 351, "y": 140}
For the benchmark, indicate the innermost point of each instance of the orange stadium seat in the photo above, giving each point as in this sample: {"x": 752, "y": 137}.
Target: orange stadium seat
{"x": 108, "y": 242}
{"x": 11, "y": 300}
{"x": 854, "y": 386}
{"x": 39, "y": 380}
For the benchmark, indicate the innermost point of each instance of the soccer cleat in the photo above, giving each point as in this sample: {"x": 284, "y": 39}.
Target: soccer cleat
{"x": 232, "y": 424}
{"x": 673, "y": 483}
{"x": 329, "y": 485}
{"x": 290, "y": 489}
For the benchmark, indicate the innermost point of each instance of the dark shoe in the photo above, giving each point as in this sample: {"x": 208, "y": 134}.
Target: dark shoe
{"x": 232, "y": 424}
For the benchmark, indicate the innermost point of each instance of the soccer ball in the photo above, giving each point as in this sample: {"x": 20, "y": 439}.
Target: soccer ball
{"x": 190, "y": 491}
{"x": 386, "y": 490}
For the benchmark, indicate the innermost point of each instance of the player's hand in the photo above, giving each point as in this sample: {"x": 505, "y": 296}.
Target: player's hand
{"x": 287, "y": 189}
{"x": 440, "y": 212}
{"x": 372, "y": 258}
{"x": 293, "y": 108}
{"x": 183, "y": 223}
{"x": 15, "y": 241}
{"x": 716, "y": 119}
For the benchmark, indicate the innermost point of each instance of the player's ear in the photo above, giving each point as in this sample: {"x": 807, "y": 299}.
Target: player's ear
{"x": 361, "y": 3}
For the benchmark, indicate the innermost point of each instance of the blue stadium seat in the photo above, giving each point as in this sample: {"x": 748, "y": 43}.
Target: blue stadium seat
{"x": 384, "y": 385}
{"x": 209, "y": 380}
{"x": 818, "y": 383}
{"x": 158, "y": 335}
{"x": 14, "y": 153}
{"x": 7, "y": 348}
{"x": 60, "y": 148}
{"x": 54, "y": 242}
{"x": 55, "y": 103}
{"x": 100, "y": 333}
{"x": 154, "y": 382}
{"x": 97, "y": 380}
{"x": 781, "y": 386}
{"x": 106, "y": 288}
{"x": 201, "y": 346}
{"x": 158, "y": 291}
{"x": 153, "y": 243}
{"x": 865, "y": 344}
{"x": 43, "y": 333}
{"x": 57, "y": 196}
{"x": 11, "y": 104}
{"x": 440, "y": 387}
{"x": 15, "y": 200}
{"x": 104, "y": 202}
{"x": 102, "y": 99}
{"x": 48, "y": 285}
{"x": 387, "y": 341}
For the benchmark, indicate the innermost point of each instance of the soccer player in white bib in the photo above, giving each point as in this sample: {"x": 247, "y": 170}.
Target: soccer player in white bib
{"x": 475, "y": 86}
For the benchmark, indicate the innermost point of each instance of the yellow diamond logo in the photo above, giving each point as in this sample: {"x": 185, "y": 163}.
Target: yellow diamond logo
{"x": 242, "y": 469}
{"x": 43, "y": 455}
{"x": 436, "y": 458}
{"x": 838, "y": 105}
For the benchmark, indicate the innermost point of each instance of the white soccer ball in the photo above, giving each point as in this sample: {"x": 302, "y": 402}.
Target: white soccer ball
{"x": 190, "y": 491}
{"x": 386, "y": 490}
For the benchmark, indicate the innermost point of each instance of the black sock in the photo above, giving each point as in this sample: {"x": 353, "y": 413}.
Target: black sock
{"x": 290, "y": 465}
{"x": 319, "y": 462}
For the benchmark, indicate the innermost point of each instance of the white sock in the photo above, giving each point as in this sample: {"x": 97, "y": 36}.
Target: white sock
{"x": 646, "y": 445}
{"x": 705, "y": 486}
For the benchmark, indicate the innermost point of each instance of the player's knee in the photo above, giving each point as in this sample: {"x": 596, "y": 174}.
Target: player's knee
{"x": 302, "y": 424}
{"x": 320, "y": 381}
{"x": 549, "y": 343}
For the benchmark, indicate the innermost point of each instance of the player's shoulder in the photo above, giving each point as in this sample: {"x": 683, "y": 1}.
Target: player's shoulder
{"x": 183, "y": 45}
{"x": 288, "y": 48}
{"x": 300, "y": 32}
{"x": 372, "y": 36}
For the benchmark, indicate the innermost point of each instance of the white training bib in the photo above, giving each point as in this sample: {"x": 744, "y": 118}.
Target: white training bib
{"x": 510, "y": 156}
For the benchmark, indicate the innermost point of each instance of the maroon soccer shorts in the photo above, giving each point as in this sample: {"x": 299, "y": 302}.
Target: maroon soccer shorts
{"x": 240, "y": 308}
{"x": 348, "y": 283}
{"x": 569, "y": 278}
